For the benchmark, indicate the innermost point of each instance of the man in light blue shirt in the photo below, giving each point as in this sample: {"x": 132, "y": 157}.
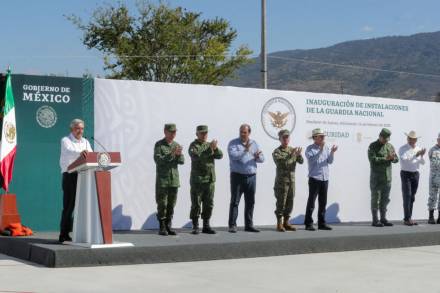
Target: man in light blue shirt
{"x": 319, "y": 157}
{"x": 244, "y": 154}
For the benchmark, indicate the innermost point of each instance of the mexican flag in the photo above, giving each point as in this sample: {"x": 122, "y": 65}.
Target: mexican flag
{"x": 8, "y": 143}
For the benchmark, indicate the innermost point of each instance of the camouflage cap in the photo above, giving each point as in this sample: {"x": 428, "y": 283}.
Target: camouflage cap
{"x": 202, "y": 128}
{"x": 385, "y": 133}
{"x": 170, "y": 127}
{"x": 283, "y": 132}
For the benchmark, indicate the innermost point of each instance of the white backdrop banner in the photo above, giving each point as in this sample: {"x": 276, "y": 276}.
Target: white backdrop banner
{"x": 129, "y": 117}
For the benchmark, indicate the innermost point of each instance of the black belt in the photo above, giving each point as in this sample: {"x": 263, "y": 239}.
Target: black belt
{"x": 243, "y": 175}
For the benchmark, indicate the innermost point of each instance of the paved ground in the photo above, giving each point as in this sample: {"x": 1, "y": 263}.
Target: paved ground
{"x": 389, "y": 270}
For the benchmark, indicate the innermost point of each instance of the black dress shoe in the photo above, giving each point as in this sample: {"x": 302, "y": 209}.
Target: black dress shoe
{"x": 310, "y": 228}
{"x": 324, "y": 227}
{"x": 68, "y": 238}
{"x": 62, "y": 238}
{"x": 251, "y": 229}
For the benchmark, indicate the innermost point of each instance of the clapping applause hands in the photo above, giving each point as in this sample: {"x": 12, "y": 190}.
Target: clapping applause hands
{"x": 296, "y": 151}
{"x": 213, "y": 145}
{"x": 257, "y": 154}
{"x": 391, "y": 157}
{"x": 178, "y": 150}
{"x": 421, "y": 152}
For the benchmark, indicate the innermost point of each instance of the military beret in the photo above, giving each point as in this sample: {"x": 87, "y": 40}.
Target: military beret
{"x": 385, "y": 133}
{"x": 202, "y": 128}
{"x": 170, "y": 127}
{"x": 283, "y": 132}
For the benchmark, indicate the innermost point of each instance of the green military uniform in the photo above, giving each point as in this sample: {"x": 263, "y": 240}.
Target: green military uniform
{"x": 202, "y": 179}
{"x": 167, "y": 177}
{"x": 380, "y": 179}
{"x": 284, "y": 187}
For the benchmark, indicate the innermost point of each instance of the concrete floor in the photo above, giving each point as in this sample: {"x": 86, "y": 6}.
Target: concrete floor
{"x": 390, "y": 270}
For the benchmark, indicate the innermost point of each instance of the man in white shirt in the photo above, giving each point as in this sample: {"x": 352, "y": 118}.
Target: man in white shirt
{"x": 72, "y": 146}
{"x": 411, "y": 157}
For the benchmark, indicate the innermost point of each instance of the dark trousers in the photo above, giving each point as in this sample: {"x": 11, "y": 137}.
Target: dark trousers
{"x": 318, "y": 189}
{"x": 410, "y": 183}
{"x": 69, "y": 195}
{"x": 242, "y": 184}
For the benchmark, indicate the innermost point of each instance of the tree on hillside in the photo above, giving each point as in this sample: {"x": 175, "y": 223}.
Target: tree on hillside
{"x": 161, "y": 43}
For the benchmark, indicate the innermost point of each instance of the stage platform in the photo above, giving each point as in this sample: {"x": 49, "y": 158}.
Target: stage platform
{"x": 43, "y": 248}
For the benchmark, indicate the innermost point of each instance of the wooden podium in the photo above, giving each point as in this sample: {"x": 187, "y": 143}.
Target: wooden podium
{"x": 92, "y": 222}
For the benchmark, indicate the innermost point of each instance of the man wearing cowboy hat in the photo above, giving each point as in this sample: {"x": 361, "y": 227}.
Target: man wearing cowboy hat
{"x": 411, "y": 157}
{"x": 285, "y": 158}
{"x": 381, "y": 154}
{"x": 319, "y": 157}
{"x": 434, "y": 181}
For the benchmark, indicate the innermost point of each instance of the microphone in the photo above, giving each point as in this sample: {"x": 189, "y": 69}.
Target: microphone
{"x": 103, "y": 157}
{"x": 100, "y": 144}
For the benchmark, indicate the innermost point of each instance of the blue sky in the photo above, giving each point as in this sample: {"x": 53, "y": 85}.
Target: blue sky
{"x": 37, "y": 39}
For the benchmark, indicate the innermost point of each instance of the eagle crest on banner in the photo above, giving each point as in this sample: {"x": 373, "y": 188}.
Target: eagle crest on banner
{"x": 278, "y": 119}
{"x": 277, "y": 113}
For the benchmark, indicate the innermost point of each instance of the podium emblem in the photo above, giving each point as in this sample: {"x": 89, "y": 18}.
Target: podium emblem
{"x": 103, "y": 160}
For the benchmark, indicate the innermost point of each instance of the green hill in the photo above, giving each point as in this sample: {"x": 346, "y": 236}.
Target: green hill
{"x": 308, "y": 70}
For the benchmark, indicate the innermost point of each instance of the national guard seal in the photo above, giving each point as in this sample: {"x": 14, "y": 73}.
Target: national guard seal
{"x": 46, "y": 116}
{"x": 278, "y": 113}
{"x": 10, "y": 132}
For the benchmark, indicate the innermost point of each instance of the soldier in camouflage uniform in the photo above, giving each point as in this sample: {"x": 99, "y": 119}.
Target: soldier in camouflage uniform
{"x": 434, "y": 182}
{"x": 167, "y": 155}
{"x": 202, "y": 180}
{"x": 381, "y": 154}
{"x": 285, "y": 158}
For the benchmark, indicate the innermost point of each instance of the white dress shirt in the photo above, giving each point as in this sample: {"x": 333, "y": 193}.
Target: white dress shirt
{"x": 71, "y": 149}
{"x": 408, "y": 160}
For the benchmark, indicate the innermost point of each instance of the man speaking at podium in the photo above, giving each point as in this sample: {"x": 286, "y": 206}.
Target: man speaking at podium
{"x": 72, "y": 146}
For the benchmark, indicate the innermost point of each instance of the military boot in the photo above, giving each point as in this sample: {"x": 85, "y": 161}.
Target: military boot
{"x": 375, "y": 222}
{"x": 431, "y": 219}
{"x": 207, "y": 228}
{"x": 169, "y": 229}
{"x": 195, "y": 224}
{"x": 162, "y": 228}
{"x": 280, "y": 227}
{"x": 383, "y": 219}
{"x": 287, "y": 225}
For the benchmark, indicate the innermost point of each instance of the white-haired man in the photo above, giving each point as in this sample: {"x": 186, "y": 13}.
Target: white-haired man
{"x": 72, "y": 146}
